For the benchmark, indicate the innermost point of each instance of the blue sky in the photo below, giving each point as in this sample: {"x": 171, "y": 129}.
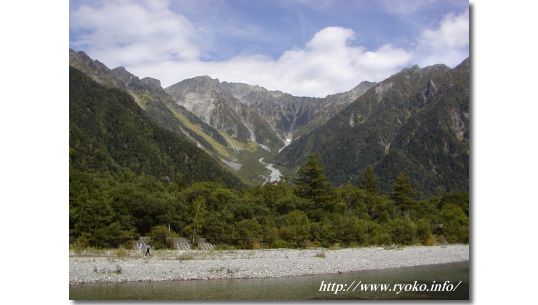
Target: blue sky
{"x": 305, "y": 47}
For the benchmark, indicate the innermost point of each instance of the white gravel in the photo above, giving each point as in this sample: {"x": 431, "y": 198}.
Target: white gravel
{"x": 190, "y": 265}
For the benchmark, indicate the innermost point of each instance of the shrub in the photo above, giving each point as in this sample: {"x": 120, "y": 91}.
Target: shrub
{"x": 279, "y": 243}
{"x": 297, "y": 228}
{"x": 81, "y": 243}
{"x": 121, "y": 252}
{"x": 455, "y": 224}
{"x": 162, "y": 238}
{"x": 403, "y": 231}
{"x": 379, "y": 234}
{"x": 424, "y": 231}
{"x": 323, "y": 232}
{"x": 250, "y": 233}
{"x": 111, "y": 236}
{"x": 430, "y": 241}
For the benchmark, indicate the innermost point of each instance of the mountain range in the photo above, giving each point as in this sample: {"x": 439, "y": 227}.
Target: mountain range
{"x": 416, "y": 121}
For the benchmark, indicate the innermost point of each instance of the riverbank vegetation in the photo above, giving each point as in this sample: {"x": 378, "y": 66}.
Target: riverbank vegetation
{"x": 110, "y": 211}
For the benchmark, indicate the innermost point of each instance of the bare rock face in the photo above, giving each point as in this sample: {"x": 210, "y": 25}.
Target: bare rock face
{"x": 270, "y": 116}
{"x": 153, "y": 83}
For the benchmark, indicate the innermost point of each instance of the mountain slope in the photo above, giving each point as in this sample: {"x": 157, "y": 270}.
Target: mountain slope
{"x": 433, "y": 146}
{"x": 109, "y": 132}
{"x": 149, "y": 95}
{"x": 269, "y": 116}
{"x": 215, "y": 106}
{"x": 330, "y": 106}
{"x": 414, "y": 121}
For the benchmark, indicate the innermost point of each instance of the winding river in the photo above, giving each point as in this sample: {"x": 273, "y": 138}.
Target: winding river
{"x": 275, "y": 174}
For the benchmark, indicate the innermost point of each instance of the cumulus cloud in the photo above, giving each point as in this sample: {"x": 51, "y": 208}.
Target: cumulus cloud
{"x": 152, "y": 40}
{"x": 127, "y": 32}
{"x": 326, "y": 65}
{"x": 448, "y": 43}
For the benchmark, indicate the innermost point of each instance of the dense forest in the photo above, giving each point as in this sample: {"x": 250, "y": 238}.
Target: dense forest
{"x": 112, "y": 211}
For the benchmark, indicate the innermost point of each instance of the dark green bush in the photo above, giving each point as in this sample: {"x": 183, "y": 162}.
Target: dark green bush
{"x": 404, "y": 231}
{"x": 162, "y": 238}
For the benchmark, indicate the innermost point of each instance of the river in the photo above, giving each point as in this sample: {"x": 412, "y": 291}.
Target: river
{"x": 275, "y": 174}
{"x": 284, "y": 288}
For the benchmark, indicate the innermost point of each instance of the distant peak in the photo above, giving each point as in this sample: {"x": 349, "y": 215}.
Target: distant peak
{"x": 79, "y": 54}
{"x": 152, "y": 82}
{"x": 205, "y": 78}
{"x": 120, "y": 69}
{"x": 436, "y": 67}
{"x": 122, "y": 74}
{"x": 364, "y": 84}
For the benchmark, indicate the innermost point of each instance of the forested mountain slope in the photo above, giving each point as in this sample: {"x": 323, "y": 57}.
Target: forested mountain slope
{"x": 109, "y": 132}
{"x": 416, "y": 121}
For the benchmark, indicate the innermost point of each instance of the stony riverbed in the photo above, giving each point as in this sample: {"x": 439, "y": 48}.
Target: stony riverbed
{"x": 200, "y": 265}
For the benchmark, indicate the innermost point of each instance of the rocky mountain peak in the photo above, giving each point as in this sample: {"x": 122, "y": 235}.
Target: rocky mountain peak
{"x": 206, "y": 79}
{"x": 438, "y": 68}
{"x": 202, "y": 85}
{"x": 153, "y": 83}
{"x": 361, "y": 88}
{"x": 123, "y": 75}
{"x": 82, "y": 59}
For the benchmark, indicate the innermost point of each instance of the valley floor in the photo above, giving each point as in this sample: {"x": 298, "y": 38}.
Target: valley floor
{"x": 216, "y": 264}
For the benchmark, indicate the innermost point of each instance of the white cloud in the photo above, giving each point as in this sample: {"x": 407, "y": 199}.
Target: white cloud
{"x": 127, "y": 32}
{"x": 152, "y": 40}
{"x": 448, "y": 43}
{"x": 327, "y": 64}
{"x": 453, "y": 32}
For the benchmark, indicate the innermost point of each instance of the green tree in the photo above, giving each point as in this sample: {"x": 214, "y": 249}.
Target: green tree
{"x": 351, "y": 197}
{"x": 369, "y": 181}
{"x": 402, "y": 193}
{"x": 455, "y": 224}
{"x": 198, "y": 213}
{"x": 424, "y": 231}
{"x": 111, "y": 236}
{"x": 296, "y": 229}
{"x": 403, "y": 231}
{"x": 219, "y": 228}
{"x": 250, "y": 233}
{"x": 161, "y": 237}
{"x": 350, "y": 229}
{"x": 313, "y": 185}
{"x": 323, "y": 232}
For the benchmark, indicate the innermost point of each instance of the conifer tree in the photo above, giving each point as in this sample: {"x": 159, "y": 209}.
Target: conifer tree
{"x": 369, "y": 180}
{"x": 312, "y": 184}
{"x": 402, "y": 193}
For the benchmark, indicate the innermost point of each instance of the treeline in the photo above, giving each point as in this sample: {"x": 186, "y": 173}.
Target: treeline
{"x": 111, "y": 211}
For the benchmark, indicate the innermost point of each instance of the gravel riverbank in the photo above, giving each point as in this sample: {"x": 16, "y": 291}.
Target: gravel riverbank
{"x": 201, "y": 265}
